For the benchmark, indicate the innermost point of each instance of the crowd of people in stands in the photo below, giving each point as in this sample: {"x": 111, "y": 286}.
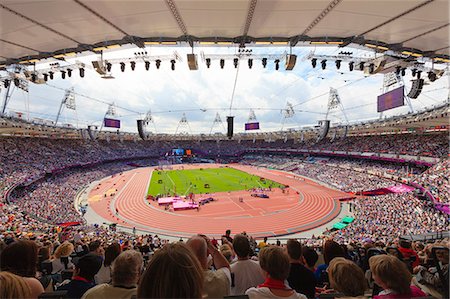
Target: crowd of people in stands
{"x": 80, "y": 261}
{"x": 432, "y": 145}
{"x": 91, "y": 265}
{"x": 436, "y": 180}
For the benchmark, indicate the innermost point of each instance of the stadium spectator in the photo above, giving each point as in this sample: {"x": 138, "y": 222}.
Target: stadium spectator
{"x": 217, "y": 283}
{"x": 431, "y": 277}
{"x": 13, "y": 286}
{"x": 301, "y": 279}
{"x": 331, "y": 250}
{"x": 227, "y": 236}
{"x": 83, "y": 278}
{"x": 393, "y": 276}
{"x": 111, "y": 253}
{"x": 310, "y": 257}
{"x": 347, "y": 278}
{"x": 173, "y": 272}
{"x": 126, "y": 270}
{"x": 61, "y": 259}
{"x": 275, "y": 264}
{"x": 20, "y": 258}
{"x": 245, "y": 273}
{"x": 408, "y": 253}
{"x": 262, "y": 244}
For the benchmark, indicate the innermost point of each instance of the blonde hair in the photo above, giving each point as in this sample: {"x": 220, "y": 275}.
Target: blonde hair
{"x": 346, "y": 277}
{"x": 65, "y": 249}
{"x": 13, "y": 286}
{"x": 392, "y": 272}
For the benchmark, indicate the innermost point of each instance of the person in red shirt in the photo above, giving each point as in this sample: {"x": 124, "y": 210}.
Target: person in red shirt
{"x": 408, "y": 253}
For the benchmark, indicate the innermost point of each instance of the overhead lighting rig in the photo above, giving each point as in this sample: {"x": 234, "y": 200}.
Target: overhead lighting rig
{"x": 247, "y": 54}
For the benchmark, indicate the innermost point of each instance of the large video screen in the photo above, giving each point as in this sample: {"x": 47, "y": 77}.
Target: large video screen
{"x": 111, "y": 123}
{"x": 178, "y": 152}
{"x": 252, "y": 126}
{"x": 391, "y": 99}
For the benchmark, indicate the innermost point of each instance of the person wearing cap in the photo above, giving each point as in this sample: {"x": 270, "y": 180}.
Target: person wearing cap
{"x": 83, "y": 278}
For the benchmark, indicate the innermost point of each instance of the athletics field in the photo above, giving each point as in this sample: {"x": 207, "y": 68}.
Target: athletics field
{"x": 205, "y": 180}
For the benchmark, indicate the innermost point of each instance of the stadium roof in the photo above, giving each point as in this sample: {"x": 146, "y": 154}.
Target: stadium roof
{"x": 40, "y": 29}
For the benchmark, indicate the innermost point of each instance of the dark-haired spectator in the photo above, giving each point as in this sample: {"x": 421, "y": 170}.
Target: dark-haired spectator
{"x": 262, "y": 244}
{"x": 331, "y": 250}
{"x": 104, "y": 274}
{"x": 126, "y": 271}
{"x": 20, "y": 258}
{"x": 245, "y": 272}
{"x": 216, "y": 283}
{"x": 301, "y": 279}
{"x": 96, "y": 247}
{"x": 393, "y": 276}
{"x": 173, "y": 272}
{"x": 227, "y": 236}
{"x": 83, "y": 278}
{"x": 408, "y": 253}
{"x": 310, "y": 257}
{"x": 347, "y": 278}
{"x": 275, "y": 264}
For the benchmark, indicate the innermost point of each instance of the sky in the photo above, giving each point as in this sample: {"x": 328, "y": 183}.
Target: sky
{"x": 202, "y": 94}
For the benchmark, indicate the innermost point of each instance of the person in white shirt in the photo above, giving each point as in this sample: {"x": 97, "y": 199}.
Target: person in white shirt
{"x": 216, "y": 283}
{"x": 126, "y": 271}
{"x": 275, "y": 264}
{"x": 245, "y": 273}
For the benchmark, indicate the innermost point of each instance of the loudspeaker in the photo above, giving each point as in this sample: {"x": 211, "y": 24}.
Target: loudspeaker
{"x": 99, "y": 68}
{"x": 140, "y": 127}
{"x": 416, "y": 88}
{"x": 230, "y": 126}
{"x": 192, "y": 62}
{"x": 324, "y": 127}
{"x": 91, "y": 133}
{"x": 290, "y": 62}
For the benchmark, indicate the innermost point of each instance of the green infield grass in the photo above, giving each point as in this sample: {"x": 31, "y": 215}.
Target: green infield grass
{"x": 206, "y": 180}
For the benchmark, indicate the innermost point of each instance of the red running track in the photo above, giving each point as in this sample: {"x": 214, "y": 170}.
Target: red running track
{"x": 307, "y": 205}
